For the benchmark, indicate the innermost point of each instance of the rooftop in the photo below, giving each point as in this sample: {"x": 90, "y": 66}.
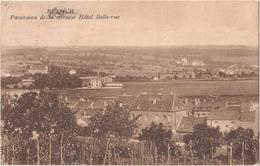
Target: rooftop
{"x": 187, "y": 124}
{"x": 248, "y": 116}
{"x": 153, "y": 103}
{"x": 224, "y": 115}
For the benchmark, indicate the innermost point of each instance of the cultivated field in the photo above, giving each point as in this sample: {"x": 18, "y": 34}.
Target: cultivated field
{"x": 179, "y": 87}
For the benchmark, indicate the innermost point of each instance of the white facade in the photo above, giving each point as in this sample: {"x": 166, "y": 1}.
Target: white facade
{"x": 224, "y": 125}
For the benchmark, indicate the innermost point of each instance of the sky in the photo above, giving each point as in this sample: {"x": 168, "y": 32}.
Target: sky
{"x": 144, "y": 23}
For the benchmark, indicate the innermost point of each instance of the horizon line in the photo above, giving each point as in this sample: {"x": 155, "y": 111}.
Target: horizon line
{"x": 143, "y": 46}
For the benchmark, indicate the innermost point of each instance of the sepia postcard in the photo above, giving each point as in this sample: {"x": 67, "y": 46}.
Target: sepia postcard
{"x": 130, "y": 82}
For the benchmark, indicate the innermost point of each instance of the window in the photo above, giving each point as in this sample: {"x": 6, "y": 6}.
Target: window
{"x": 203, "y": 114}
{"x": 156, "y": 118}
{"x": 164, "y": 118}
{"x": 226, "y": 125}
{"x": 132, "y": 116}
{"x": 169, "y": 118}
{"x": 145, "y": 117}
{"x": 216, "y": 121}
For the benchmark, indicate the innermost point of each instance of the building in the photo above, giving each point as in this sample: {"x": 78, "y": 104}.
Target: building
{"x": 91, "y": 82}
{"x": 83, "y": 112}
{"x": 228, "y": 120}
{"x": 157, "y": 109}
{"x": 184, "y": 61}
{"x": 154, "y": 109}
{"x": 249, "y": 120}
{"x": 125, "y": 101}
{"x": 26, "y": 83}
{"x": 198, "y": 63}
{"x": 85, "y": 81}
{"x": 13, "y": 93}
{"x": 96, "y": 82}
{"x": 113, "y": 85}
{"x": 85, "y": 108}
{"x": 107, "y": 79}
{"x": 201, "y": 112}
{"x": 253, "y": 106}
{"x": 187, "y": 124}
{"x": 72, "y": 72}
{"x": 225, "y": 120}
{"x": 38, "y": 68}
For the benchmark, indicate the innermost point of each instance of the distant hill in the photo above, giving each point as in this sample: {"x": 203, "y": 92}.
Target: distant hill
{"x": 96, "y": 57}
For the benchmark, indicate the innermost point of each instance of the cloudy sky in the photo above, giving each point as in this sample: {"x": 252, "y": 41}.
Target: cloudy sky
{"x": 140, "y": 24}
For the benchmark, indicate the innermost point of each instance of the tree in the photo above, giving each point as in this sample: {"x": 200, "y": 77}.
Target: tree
{"x": 157, "y": 136}
{"x": 57, "y": 78}
{"x": 113, "y": 121}
{"x": 38, "y": 114}
{"x": 244, "y": 145}
{"x": 203, "y": 142}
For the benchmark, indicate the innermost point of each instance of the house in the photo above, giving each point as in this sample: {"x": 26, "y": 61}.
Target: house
{"x": 26, "y": 82}
{"x": 201, "y": 112}
{"x": 125, "y": 101}
{"x": 203, "y": 108}
{"x": 225, "y": 120}
{"x": 86, "y": 108}
{"x": 85, "y": 81}
{"x": 38, "y": 68}
{"x": 157, "y": 109}
{"x": 72, "y": 72}
{"x": 184, "y": 61}
{"x": 71, "y": 101}
{"x": 198, "y": 63}
{"x": 107, "y": 79}
{"x": 113, "y": 85}
{"x": 16, "y": 73}
{"x": 187, "y": 124}
{"x": 205, "y": 75}
{"x": 253, "y": 106}
{"x": 82, "y": 112}
{"x": 91, "y": 82}
{"x": 96, "y": 82}
{"x": 13, "y": 93}
{"x": 249, "y": 120}
{"x": 184, "y": 73}
{"x": 233, "y": 104}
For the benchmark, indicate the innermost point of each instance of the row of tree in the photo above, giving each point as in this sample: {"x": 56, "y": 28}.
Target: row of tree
{"x": 57, "y": 78}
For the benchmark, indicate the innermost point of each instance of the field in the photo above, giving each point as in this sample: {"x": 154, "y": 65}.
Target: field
{"x": 246, "y": 87}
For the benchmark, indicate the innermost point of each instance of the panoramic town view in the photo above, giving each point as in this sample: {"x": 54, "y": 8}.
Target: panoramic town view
{"x": 193, "y": 102}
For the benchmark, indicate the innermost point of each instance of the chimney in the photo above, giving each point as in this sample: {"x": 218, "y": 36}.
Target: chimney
{"x": 186, "y": 101}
